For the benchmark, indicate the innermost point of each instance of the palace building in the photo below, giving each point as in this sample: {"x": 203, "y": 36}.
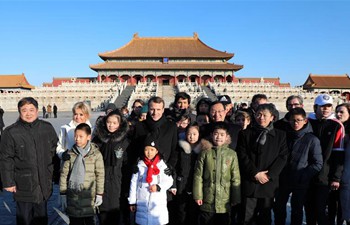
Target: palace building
{"x": 166, "y": 60}
{"x": 14, "y": 83}
{"x": 332, "y": 84}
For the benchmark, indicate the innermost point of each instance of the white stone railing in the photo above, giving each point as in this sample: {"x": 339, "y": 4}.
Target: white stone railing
{"x": 243, "y": 92}
{"x": 66, "y": 95}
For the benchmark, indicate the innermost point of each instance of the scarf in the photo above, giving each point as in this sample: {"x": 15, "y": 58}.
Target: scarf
{"x": 77, "y": 177}
{"x": 263, "y": 132}
{"x": 152, "y": 167}
{"x": 153, "y": 125}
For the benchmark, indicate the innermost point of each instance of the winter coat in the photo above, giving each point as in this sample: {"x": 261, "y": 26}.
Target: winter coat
{"x": 167, "y": 137}
{"x": 254, "y": 158}
{"x": 26, "y": 159}
{"x": 82, "y": 204}
{"x": 217, "y": 179}
{"x": 305, "y": 159}
{"x": 282, "y": 124}
{"x": 185, "y": 166}
{"x": 151, "y": 208}
{"x": 345, "y": 185}
{"x": 233, "y": 130}
{"x": 331, "y": 133}
{"x": 113, "y": 145}
{"x": 66, "y": 137}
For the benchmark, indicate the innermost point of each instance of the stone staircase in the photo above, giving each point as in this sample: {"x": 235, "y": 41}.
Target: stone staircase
{"x": 209, "y": 93}
{"x": 123, "y": 98}
{"x": 167, "y": 92}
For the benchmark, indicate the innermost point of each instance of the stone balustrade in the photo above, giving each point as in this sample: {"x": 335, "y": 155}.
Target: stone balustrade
{"x": 66, "y": 95}
{"x": 243, "y": 92}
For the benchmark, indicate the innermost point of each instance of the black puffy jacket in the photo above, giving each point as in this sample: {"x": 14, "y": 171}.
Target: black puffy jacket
{"x": 26, "y": 159}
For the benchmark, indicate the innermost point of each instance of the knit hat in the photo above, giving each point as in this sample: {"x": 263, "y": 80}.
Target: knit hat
{"x": 152, "y": 139}
{"x": 144, "y": 109}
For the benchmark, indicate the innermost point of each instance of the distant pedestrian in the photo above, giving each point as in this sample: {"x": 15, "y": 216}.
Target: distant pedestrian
{"x": 49, "y": 110}
{"x": 44, "y": 111}
{"x": 55, "y": 110}
{"x": 26, "y": 163}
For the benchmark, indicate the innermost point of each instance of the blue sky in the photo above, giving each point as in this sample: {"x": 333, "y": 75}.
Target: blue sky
{"x": 285, "y": 39}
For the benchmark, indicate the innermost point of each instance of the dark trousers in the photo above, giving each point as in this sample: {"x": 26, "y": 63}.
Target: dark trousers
{"x": 257, "y": 210}
{"x": 316, "y": 204}
{"x": 110, "y": 217}
{"x": 187, "y": 210}
{"x": 237, "y": 215}
{"x": 89, "y": 220}
{"x": 207, "y": 218}
{"x": 334, "y": 208}
{"x": 31, "y": 213}
{"x": 297, "y": 203}
{"x": 172, "y": 208}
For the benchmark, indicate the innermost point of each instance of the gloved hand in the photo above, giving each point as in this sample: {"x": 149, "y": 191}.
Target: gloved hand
{"x": 98, "y": 200}
{"x": 135, "y": 169}
{"x": 65, "y": 156}
{"x": 169, "y": 170}
{"x": 63, "y": 201}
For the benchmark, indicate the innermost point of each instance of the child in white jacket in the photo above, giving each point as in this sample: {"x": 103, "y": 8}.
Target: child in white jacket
{"x": 148, "y": 187}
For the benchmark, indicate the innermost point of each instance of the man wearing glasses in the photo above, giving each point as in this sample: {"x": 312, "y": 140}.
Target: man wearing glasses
{"x": 293, "y": 101}
{"x": 303, "y": 164}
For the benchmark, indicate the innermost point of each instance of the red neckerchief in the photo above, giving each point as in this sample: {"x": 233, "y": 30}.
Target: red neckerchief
{"x": 152, "y": 167}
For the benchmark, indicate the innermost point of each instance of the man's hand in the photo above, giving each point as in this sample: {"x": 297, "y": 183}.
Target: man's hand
{"x": 132, "y": 208}
{"x": 11, "y": 189}
{"x": 199, "y": 202}
{"x": 262, "y": 177}
{"x": 173, "y": 191}
{"x": 335, "y": 186}
{"x": 153, "y": 188}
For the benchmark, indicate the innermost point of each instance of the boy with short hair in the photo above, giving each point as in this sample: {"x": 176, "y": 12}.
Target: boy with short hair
{"x": 82, "y": 178}
{"x": 216, "y": 184}
{"x": 304, "y": 163}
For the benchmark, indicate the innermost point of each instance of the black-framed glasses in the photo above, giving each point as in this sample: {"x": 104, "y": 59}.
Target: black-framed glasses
{"x": 298, "y": 121}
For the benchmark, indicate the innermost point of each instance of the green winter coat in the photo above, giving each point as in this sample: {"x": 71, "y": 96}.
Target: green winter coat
{"x": 82, "y": 204}
{"x": 217, "y": 179}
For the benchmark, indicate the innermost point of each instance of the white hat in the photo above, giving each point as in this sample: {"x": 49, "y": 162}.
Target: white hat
{"x": 323, "y": 99}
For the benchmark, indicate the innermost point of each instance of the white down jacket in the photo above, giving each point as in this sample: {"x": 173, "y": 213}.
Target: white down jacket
{"x": 151, "y": 208}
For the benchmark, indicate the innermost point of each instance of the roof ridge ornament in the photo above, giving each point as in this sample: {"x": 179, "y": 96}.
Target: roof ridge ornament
{"x": 195, "y": 35}
{"x": 136, "y": 35}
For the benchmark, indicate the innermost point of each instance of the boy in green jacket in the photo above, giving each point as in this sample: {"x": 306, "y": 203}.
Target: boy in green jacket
{"x": 82, "y": 179}
{"x": 216, "y": 184}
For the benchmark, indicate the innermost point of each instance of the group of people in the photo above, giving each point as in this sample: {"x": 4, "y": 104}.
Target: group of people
{"x": 47, "y": 111}
{"x": 215, "y": 164}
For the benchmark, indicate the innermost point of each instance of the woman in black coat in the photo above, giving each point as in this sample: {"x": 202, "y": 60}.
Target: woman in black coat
{"x": 111, "y": 137}
{"x": 262, "y": 153}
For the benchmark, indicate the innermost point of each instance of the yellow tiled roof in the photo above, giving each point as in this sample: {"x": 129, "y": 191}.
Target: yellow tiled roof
{"x": 14, "y": 81}
{"x": 171, "y": 47}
